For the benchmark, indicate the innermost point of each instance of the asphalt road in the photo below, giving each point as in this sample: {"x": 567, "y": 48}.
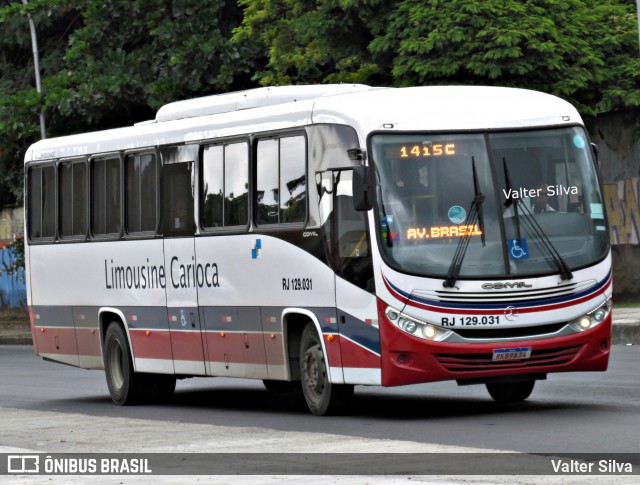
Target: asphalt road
{"x": 568, "y": 413}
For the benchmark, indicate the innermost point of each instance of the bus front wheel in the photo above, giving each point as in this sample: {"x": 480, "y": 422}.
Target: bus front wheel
{"x": 505, "y": 392}
{"x": 125, "y": 385}
{"x": 322, "y": 396}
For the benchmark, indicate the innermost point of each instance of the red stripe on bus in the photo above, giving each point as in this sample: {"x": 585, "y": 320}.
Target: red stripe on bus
{"x": 273, "y": 348}
{"x": 220, "y": 344}
{"x": 354, "y": 355}
{"x": 187, "y": 346}
{"x": 89, "y": 341}
{"x": 333, "y": 344}
{"x": 55, "y": 340}
{"x": 152, "y": 344}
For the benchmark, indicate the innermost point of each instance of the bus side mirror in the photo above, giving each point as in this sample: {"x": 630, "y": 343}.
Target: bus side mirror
{"x": 362, "y": 189}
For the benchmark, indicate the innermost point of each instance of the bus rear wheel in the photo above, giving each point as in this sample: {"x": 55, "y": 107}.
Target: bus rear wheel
{"x": 505, "y": 392}
{"x": 322, "y": 397}
{"x": 126, "y": 386}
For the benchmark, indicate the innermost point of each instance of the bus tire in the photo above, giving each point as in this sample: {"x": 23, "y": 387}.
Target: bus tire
{"x": 505, "y": 392}
{"x": 118, "y": 366}
{"x": 126, "y": 386}
{"x": 322, "y": 397}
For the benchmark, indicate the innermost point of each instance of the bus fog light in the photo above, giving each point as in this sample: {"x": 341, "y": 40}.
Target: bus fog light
{"x": 429, "y": 331}
{"x": 585, "y": 322}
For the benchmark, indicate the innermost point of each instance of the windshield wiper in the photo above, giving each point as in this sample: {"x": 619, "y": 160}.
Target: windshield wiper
{"x": 475, "y": 215}
{"x": 565, "y": 272}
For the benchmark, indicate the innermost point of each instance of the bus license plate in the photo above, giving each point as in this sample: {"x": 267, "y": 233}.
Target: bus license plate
{"x": 511, "y": 354}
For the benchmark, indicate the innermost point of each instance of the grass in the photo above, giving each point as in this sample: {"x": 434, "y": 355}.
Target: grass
{"x": 14, "y": 317}
{"x": 624, "y": 303}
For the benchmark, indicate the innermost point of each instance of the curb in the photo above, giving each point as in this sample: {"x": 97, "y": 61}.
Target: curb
{"x": 15, "y": 338}
{"x": 626, "y": 333}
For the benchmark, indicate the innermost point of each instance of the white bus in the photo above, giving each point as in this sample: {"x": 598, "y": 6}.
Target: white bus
{"x": 321, "y": 237}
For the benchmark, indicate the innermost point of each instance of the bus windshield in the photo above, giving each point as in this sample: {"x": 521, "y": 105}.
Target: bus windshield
{"x": 541, "y": 204}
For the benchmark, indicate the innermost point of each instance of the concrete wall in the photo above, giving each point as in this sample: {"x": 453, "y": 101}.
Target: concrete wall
{"x": 618, "y": 138}
{"x": 11, "y": 223}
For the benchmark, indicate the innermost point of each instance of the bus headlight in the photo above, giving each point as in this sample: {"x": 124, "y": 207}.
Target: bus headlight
{"x": 416, "y": 327}
{"x": 593, "y": 318}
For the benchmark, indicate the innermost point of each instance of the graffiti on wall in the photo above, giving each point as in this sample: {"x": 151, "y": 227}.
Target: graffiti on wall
{"x": 623, "y": 210}
{"x": 13, "y": 291}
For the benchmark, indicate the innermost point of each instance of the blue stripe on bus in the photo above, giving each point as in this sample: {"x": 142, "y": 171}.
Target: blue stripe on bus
{"x": 358, "y": 331}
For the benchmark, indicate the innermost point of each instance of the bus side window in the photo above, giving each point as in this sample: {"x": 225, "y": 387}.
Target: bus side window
{"x": 141, "y": 191}
{"x": 41, "y": 202}
{"x": 281, "y": 181}
{"x": 72, "y": 176}
{"x": 105, "y": 197}
{"x": 236, "y": 184}
{"x": 293, "y": 181}
{"x": 268, "y": 199}
{"x": 177, "y": 200}
{"x": 224, "y": 188}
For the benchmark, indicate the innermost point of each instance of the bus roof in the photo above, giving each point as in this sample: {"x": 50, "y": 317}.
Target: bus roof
{"x": 446, "y": 108}
{"x": 251, "y": 98}
{"x": 367, "y": 109}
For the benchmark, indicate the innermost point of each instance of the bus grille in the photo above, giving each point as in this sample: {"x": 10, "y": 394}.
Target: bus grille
{"x": 515, "y": 332}
{"x": 506, "y": 297}
{"x": 483, "y": 362}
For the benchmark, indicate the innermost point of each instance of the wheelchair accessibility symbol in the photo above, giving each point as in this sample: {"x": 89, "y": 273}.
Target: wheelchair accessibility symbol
{"x": 183, "y": 318}
{"x": 518, "y": 249}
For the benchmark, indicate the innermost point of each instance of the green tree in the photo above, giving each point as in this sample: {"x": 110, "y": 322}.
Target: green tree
{"x": 583, "y": 51}
{"x": 572, "y": 48}
{"x": 313, "y": 42}
{"x": 19, "y": 102}
{"x": 109, "y": 63}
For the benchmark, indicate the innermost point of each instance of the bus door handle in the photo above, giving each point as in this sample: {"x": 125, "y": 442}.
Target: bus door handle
{"x": 193, "y": 320}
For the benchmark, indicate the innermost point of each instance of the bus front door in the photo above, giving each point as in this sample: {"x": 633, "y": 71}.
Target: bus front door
{"x": 347, "y": 241}
{"x": 178, "y": 227}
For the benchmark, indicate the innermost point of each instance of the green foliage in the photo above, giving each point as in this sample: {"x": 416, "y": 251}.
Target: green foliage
{"x": 136, "y": 55}
{"x": 313, "y": 42}
{"x": 107, "y": 63}
{"x": 583, "y": 51}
